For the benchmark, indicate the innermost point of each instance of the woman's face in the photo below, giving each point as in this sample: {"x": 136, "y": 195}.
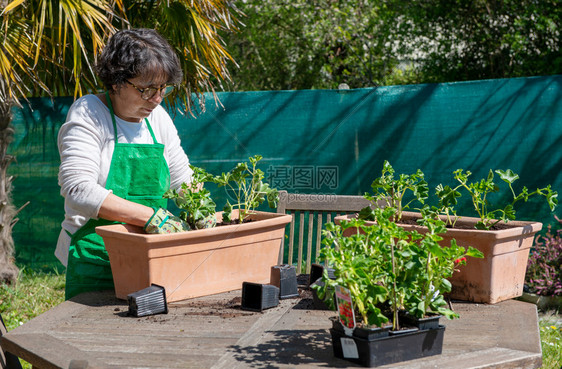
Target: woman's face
{"x": 128, "y": 103}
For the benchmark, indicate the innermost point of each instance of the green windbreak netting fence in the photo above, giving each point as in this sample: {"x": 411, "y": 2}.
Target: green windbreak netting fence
{"x": 328, "y": 142}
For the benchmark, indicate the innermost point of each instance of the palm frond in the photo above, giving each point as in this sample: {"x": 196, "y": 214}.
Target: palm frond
{"x": 15, "y": 66}
{"x": 198, "y": 43}
{"x": 50, "y": 47}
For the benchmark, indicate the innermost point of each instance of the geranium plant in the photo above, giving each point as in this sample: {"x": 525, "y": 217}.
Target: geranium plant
{"x": 392, "y": 190}
{"x": 389, "y": 270}
{"x": 544, "y": 268}
{"x": 245, "y": 183}
{"x": 480, "y": 190}
{"x": 194, "y": 200}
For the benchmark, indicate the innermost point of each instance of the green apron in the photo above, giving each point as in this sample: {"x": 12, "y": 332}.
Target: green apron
{"x": 138, "y": 173}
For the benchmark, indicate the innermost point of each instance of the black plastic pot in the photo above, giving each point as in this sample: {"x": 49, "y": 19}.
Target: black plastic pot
{"x": 404, "y": 330}
{"x": 258, "y": 297}
{"x": 285, "y": 278}
{"x": 387, "y": 350}
{"x": 315, "y": 278}
{"x": 362, "y": 332}
{"x": 430, "y": 322}
{"x": 317, "y": 302}
{"x": 316, "y": 271}
{"x": 148, "y": 301}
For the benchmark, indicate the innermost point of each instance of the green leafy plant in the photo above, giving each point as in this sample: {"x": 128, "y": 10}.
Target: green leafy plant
{"x": 194, "y": 200}
{"x": 245, "y": 182}
{"x": 447, "y": 200}
{"x": 389, "y": 270}
{"x": 391, "y": 191}
{"x": 480, "y": 190}
{"x": 439, "y": 264}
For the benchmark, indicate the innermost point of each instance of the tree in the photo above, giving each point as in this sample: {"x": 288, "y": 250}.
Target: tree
{"x": 480, "y": 39}
{"x": 306, "y": 44}
{"x": 49, "y": 48}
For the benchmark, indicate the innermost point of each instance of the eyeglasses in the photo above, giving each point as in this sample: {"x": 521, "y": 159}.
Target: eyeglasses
{"x": 149, "y": 92}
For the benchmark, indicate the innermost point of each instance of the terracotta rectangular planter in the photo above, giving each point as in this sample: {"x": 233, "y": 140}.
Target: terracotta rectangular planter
{"x": 500, "y": 275}
{"x": 195, "y": 263}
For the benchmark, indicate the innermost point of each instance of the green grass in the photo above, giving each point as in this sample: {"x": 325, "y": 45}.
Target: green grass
{"x": 32, "y": 294}
{"x": 37, "y": 292}
{"x": 550, "y": 325}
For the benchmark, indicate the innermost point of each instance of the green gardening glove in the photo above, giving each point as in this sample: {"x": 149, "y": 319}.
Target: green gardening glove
{"x": 208, "y": 222}
{"x": 162, "y": 221}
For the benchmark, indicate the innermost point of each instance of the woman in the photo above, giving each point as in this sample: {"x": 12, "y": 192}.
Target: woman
{"x": 120, "y": 152}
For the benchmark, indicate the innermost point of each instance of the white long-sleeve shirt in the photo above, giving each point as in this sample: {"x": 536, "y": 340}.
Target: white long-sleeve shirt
{"x": 85, "y": 143}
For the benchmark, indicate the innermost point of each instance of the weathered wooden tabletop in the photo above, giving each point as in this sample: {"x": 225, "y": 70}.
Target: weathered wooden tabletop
{"x": 93, "y": 330}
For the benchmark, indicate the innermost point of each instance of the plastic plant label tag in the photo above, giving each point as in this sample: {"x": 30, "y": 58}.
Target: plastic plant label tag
{"x": 349, "y": 348}
{"x": 345, "y": 309}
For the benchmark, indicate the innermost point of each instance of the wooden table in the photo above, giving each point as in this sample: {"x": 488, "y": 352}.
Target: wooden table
{"x": 93, "y": 330}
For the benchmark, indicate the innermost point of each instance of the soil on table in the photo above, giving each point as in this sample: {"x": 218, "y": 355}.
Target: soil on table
{"x": 224, "y": 309}
{"x": 231, "y": 308}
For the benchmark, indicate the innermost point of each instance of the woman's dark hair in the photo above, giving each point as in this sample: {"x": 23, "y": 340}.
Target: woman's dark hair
{"x": 137, "y": 52}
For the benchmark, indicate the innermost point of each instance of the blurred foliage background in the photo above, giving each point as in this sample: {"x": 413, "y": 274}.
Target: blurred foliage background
{"x": 322, "y": 44}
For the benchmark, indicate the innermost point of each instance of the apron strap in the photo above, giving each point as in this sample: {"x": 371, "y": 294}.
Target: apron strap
{"x": 150, "y": 130}
{"x": 110, "y": 106}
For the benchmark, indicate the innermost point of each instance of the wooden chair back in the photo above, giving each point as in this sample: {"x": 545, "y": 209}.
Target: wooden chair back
{"x": 310, "y": 212}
